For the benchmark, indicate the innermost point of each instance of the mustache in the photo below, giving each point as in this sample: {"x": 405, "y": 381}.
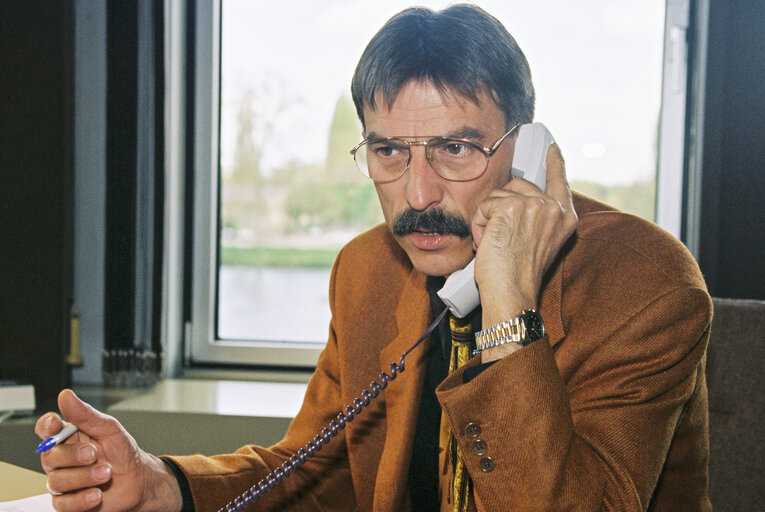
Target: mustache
{"x": 434, "y": 220}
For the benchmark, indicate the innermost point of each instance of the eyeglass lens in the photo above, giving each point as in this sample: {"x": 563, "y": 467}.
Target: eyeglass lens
{"x": 452, "y": 159}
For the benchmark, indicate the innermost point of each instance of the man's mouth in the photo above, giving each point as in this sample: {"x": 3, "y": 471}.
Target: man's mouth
{"x": 427, "y": 240}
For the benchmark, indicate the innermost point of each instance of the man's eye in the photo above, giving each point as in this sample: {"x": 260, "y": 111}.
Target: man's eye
{"x": 384, "y": 150}
{"x": 454, "y": 148}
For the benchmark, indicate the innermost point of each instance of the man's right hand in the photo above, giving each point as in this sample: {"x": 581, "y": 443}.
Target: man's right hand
{"x": 102, "y": 464}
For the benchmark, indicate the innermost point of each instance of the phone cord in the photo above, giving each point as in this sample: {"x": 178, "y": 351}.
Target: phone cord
{"x": 258, "y": 490}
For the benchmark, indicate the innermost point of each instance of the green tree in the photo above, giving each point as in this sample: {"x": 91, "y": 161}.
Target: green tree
{"x": 344, "y": 133}
{"x": 638, "y": 198}
{"x": 242, "y": 202}
{"x": 249, "y": 200}
{"x": 337, "y": 195}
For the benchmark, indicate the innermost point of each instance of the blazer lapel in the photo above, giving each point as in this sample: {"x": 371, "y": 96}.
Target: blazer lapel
{"x": 402, "y": 396}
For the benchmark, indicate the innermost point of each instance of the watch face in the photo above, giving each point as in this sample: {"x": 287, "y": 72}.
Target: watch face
{"x": 535, "y": 329}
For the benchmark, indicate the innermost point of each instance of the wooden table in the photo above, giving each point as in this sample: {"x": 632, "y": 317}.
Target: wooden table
{"x": 17, "y": 483}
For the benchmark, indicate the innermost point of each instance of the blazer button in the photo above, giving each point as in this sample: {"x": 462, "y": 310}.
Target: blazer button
{"x": 473, "y": 430}
{"x": 480, "y": 447}
{"x": 486, "y": 464}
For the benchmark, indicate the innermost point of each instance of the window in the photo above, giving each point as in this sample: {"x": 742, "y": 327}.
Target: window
{"x": 277, "y": 193}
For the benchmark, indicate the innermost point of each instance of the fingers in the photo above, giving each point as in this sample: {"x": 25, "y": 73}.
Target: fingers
{"x": 96, "y": 466}
{"x": 557, "y": 184}
{"x": 78, "y": 412}
{"x": 75, "y": 479}
{"x": 557, "y": 192}
{"x": 516, "y": 208}
{"x": 69, "y": 455}
{"x": 81, "y": 449}
{"x": 73, "y": 476}
{"x": 82, "y": 500}
{"x": 90, "y": 421}
{"x": 522, "y": 215}
{"x": 49, "y": 424}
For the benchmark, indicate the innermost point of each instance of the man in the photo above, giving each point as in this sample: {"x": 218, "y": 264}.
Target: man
{"x": 606, "y": 411}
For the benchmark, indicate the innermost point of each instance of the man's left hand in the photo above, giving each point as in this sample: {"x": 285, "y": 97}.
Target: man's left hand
{"x": 518, "y": 231}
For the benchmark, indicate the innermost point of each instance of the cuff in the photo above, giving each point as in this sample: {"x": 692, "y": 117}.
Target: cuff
{"x": 472, "y": 372}
{"x": 183, "y": 483}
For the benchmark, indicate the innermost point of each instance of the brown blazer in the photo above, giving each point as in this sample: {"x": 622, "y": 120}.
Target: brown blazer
{"x": 607, "y": 412}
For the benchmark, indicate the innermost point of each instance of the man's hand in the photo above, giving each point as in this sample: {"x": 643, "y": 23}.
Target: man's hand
{"x": 101, "y": 465}
{"x": 518, "y": 231}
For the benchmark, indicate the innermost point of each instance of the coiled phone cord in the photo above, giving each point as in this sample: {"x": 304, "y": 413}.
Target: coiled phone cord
{"x": 258, "y": 490}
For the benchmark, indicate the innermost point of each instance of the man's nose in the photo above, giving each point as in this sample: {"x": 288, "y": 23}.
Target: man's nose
{"x": 424, "y": 187}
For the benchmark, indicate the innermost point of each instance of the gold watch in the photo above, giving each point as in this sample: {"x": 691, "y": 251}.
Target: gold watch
{"x": 524, "y": 329}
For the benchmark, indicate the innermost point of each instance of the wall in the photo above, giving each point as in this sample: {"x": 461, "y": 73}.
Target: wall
{"x": 36, "y": 183}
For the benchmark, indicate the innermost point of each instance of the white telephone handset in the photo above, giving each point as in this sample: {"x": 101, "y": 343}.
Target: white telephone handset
{"x": 460, "y": 292}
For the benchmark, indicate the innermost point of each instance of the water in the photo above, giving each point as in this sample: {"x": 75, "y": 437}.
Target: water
{"x": 274, "y": 304}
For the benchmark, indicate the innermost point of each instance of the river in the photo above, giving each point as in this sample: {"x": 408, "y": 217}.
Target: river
{"x": 276, "y": 304}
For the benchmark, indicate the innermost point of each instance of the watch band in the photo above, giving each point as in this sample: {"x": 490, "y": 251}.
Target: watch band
{"x": 523, "y": 329}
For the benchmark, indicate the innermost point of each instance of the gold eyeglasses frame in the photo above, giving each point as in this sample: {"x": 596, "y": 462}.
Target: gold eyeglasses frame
{"x": 487, "y": 151}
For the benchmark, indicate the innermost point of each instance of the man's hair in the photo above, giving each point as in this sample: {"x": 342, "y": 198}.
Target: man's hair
{"x": 462, "y": 49}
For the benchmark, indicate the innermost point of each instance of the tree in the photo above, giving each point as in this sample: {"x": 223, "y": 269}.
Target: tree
{"x": 246, "y": 204}
{"x": 344, "y": 133}
{"x": 337, "y": 196}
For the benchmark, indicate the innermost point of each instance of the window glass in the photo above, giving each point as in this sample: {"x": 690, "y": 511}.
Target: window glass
{"x": 290, "y": 194}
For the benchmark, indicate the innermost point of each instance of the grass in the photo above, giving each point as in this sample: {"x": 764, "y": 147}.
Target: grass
{"x": 278, "y": 257}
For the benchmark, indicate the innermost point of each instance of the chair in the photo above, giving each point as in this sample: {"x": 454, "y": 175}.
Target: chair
{"x": 735, "y": 364}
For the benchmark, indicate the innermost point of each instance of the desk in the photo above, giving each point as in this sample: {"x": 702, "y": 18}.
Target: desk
{"x": 17, "y": 483}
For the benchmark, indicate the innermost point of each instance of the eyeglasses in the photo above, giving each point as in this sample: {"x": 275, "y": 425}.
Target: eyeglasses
{"x": 386, "y": 159}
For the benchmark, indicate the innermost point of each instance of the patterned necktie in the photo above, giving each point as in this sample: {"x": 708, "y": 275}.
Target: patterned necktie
{"x": 462, "y": 334}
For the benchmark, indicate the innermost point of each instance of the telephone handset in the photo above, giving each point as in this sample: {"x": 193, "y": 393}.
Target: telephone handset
{"x": 460, "y": 292}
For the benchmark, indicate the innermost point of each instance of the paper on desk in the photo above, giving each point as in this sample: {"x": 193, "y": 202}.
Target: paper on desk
{"x": 39, "y": 503}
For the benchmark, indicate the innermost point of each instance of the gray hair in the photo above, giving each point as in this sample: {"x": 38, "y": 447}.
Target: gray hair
{"x": 461, "y": 48}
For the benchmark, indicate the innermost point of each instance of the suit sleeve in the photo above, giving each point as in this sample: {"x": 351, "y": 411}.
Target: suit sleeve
{"x": 592, "y": 434}
{"x": 322, "y": 484}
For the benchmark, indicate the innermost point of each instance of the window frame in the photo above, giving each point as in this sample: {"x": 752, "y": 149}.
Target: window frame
{"x": 203, "y": 345}
{"x": 674, "y": 212}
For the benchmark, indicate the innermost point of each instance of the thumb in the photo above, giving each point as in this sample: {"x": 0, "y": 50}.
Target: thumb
{"x": 90, "y": 421}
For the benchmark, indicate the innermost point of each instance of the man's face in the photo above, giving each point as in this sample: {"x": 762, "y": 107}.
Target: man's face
{"x": 420, "y": 112}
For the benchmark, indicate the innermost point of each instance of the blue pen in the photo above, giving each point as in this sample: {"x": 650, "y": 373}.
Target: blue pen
{"x": 58, "y": 438}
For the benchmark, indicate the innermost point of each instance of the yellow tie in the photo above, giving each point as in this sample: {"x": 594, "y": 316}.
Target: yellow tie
{"x": 461, "y": 483}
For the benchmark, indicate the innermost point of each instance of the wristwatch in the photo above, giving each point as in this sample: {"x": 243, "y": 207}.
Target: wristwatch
{"x": 524, "y": 329}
